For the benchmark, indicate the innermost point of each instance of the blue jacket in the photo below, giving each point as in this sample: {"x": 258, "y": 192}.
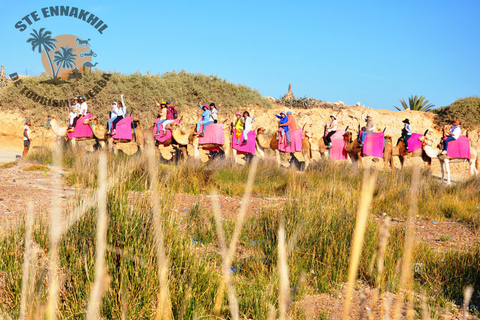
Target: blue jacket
{"x": 283, "y": 121}
{"x": 206, "y": 115}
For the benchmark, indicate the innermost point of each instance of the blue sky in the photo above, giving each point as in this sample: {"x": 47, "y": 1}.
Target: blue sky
{"x": 373, "y": 52}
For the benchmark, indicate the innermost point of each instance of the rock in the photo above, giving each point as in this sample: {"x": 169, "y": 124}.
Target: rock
{"x": 272, "y": 99}
{"x": 289, "y": 96}
{"x": 358, "y": 104}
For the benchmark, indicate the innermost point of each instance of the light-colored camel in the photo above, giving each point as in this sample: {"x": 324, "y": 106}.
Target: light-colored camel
{"x": 355, "y": 152}
{"x": 186, "y": 139}
{"x": 60, "y": 132}
{"x": 100, "y": 132}
{"x": 435, "y": 153}
{"x": 399, "y": 151}
{"x": 181, "y": 144}
{"x": 264, "y": 143}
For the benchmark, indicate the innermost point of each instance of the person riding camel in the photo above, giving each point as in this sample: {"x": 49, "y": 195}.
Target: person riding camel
{"x": 292, "y": 126}
{"x": 331, "y": 129}
{"x": 171, "y": 115}
{"x": 247, "y": 126}
{"x": 122, "y": 113}
{"x": 162, "y": 115}
{"x": 406, "y": 133}
{"x": 73, "y": 112}
{"x": 283, "y": 129}
{"x": 370, "y": 126}
{"x": 113, "y": 116}
{"x": 214, "y": 112}
{"x": 205, "y": 121}
{"x": 82, "y": 111}
{"x": 451, "y": 135}
{"x": 238, "y": 127}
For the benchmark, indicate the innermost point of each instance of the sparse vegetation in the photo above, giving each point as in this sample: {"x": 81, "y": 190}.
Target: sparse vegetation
{"x": 8, "y": 165}
{"x": 416, "y": 103}
{"x": 319, "y": 214}
{"x": 467, "y": 110}
{"x": 37, "y": 167}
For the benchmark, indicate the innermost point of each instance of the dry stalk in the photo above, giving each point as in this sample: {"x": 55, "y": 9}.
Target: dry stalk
{"x": 26, "y": 282}
{"x": 101, "y": 281}
{"x": 406, "y": 279}
{"x": 55, "y": 234}
{"x": 368, "y": 187}
{"x": 284, "y": 287}
{"x": 466, "y": 301}
{"x": 164, "y": 309}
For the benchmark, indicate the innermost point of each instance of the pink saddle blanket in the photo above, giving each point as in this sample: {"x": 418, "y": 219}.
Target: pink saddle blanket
{"x": 249, "y": 147}
{"x": 459, "y": 148}
{"x": 337, "y": 151}
{"x": 124, "y": 129}
{"x": 296, "y": 138}
{"x": 413, "y": 142}
{"x": 159, "y": 137}
{"x": 374, "y": 144}
{"x": 81, "y": 130}
{"x": 213, "y": 135}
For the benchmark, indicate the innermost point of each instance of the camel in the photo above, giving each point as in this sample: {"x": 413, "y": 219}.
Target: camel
{"x": 100, "y": 132}
{"x": 185, "y": 139}
{"x": 445, "y": 160}
{"x": 181, "y": 144}
{"x": 355, "y": 152}
{"x": 264, "y": 144}
{"x": 60, "y": 132}
{"x": 399, "y": 151}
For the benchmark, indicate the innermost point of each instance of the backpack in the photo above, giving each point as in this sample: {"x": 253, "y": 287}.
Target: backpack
{"x": 175, "y": 114}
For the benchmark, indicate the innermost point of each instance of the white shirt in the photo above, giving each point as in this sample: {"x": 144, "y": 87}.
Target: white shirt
{"x": 408, "y": 129}
{"x": 122, "y": 111}
{"x": 213, "y": 114}
{"x": 114, "y": 112}
{"x": 248, "y": 124}
{"x": 456, "y": 130}
{"x": 332, "y": 126}
{"x": 83, "y": 107}
{"x": 26, "y": 137}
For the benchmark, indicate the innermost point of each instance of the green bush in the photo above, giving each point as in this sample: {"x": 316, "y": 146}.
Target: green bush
{"x": 467, "y": 110}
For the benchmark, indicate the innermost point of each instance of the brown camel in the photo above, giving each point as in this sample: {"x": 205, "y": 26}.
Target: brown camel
{"x": 60, "y": 132}
{"x": 399, "y": 151}
{"x": 356, "y": 154}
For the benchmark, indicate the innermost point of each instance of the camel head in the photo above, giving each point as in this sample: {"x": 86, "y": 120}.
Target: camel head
{"x": 136, "y": 123}
{"x": 348, "y": 136}
{"x": 51, "y": 116}
{"x": 387, "y": 139}
{"x": 261, "y": 130}
{"x": 308, "y": 135}
{"x": 172, "y": 126}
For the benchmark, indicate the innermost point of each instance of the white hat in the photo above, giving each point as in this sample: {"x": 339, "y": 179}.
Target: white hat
{"x": 332, "y": 115}
{"x": 369, "y": 115}
{"x": 114, "y": 103}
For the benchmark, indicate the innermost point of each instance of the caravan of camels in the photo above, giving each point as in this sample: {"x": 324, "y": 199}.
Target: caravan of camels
{"x": 209, "y": 138}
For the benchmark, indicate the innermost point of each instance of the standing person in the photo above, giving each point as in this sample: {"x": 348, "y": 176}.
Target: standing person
{"x": 205, "y": 121}
{"x": 292, "y": 126}
{"x": 406, "y": 132}
{"x": 113, "y": 116}
{"x": 171, "y": 115}
{"x": 247, "y": 126}
{"x": 214, "y": 112}
{"x": 451, "y": 135}
{"x": 238, "y": 127}
{"x": 121, "y": 113}
{"x": 368, "y": 129}
{"x": 283, "y": 129}
{"x": 331, "y": 129}
{"x": 26, "y": 138}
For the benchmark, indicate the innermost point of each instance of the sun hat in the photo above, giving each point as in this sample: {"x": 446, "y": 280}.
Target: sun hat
{"x": 334, "y": 116}
{"x": 239, "y": 114}
{"x": 168, "y": 102}
{"x": 114, "y": 103}
{"x": 163, "y": 102}
{"x": 369, "y": 115}
{"x": 283, "y": 112}
{"x": 406, "y": 121}
{"x": 289, "y": 112}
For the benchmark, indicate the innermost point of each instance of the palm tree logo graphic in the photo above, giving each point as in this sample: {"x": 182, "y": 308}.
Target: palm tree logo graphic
{"x": 61, "y": 57}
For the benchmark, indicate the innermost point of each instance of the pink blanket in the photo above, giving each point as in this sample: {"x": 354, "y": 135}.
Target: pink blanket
{"x": 167, "y": 136}
{"x": 374, "y": 144}
{"x": 337, "y": 151}
{"x": 414, "y": 143}
{"x": 296, "y": 138}
{"x": 81, "y": 130}
{"x": 249, "y": 147}
{"x": 459, "y": 148}
{"x": 124, "y": 129}
{"x": 213, "y": 135}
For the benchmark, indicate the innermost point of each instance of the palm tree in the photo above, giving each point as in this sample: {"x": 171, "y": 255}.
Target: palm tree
{"x": 43, "y": 41}
{"x": 416, "y": 104}
{"x": 64, "y": 59}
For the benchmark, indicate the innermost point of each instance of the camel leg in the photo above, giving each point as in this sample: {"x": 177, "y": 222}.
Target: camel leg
{"x": 447, "y": 167}
{"x": 277, "y": 157}
{"x": 442, "y": 165}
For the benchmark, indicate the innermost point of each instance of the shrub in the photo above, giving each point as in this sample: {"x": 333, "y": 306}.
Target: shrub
{"x": 467, "y": 110}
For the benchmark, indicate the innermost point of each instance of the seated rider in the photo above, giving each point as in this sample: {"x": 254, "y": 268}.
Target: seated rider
{"x": 172, "y": 114}
{"x": 292, "y": 126}
{"x": 247, "y": 126}
{"x": 368, "y": 129}
{"x": 331, "y": 129}
{"x": 238, "y": 127}
{"x": 162, "y": 115}
{"x": 205, "y": 121}
{"x": 113, "y": 116}
{"x": 406, "y": 133}
{"x": 121, "y": 113}
{"x": 283, "y": 129}
{"x": 451, "y": 135}
{"x": 73, "y": 112}
{"x": 214, "y": 112}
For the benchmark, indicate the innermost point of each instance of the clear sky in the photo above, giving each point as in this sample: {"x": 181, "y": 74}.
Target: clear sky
{"x": 373, "y": 52}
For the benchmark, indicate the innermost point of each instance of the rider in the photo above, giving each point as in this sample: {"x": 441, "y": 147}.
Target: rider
{"x": 406, "y": 132}
{"x": 205, "y": 120}
{"x": 247, "y": 126}
{"x": 292, "y": 126}
{"x": 162, "y": 115}
{"x": 113, "y": 116}
{"x": 73, "y": 112}
{"x": 368, "y": 129}
{"x": 171, "y": 115}
{"x": 82, "y": 111}
{"x": 238, "y": 127}
{"x": 122, "y": 113}
{"x": 214, "y": 112}
{"x": 453, "y": 134}
{"x": 331, "y": 129}
{"x": 283, "y": 129}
